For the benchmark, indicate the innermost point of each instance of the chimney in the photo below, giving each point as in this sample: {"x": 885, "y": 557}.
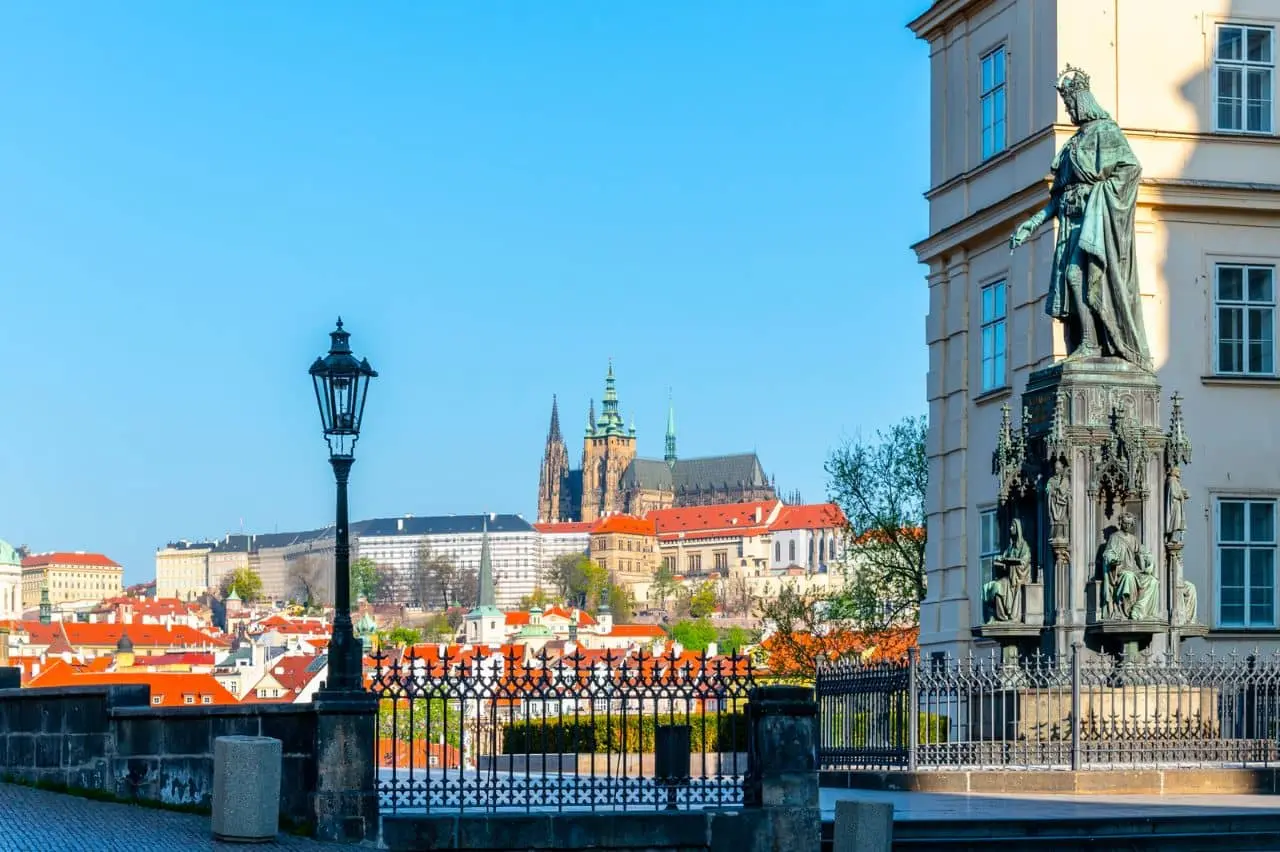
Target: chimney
{"x": 759, "y": 514}
{"x": 399, "y": 524}
{"x": 712, "y": 649}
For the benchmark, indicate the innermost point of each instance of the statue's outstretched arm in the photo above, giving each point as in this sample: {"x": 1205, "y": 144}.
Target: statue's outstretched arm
{"x": 1029, "y": 227}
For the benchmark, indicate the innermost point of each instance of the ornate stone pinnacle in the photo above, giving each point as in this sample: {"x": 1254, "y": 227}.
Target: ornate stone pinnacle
{"x": 1177, "y": 446}
{"x": 1056, "y": 443}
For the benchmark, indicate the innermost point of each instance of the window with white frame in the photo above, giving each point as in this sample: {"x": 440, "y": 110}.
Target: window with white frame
{"x": 993, "y": 336}
{"x": 1246, "y": 563}
{"x": 988, "y": 542}
{"x": 993, "y": 103}
{"x": 1244, "y": 319}
{"x": 1244, "y": 79}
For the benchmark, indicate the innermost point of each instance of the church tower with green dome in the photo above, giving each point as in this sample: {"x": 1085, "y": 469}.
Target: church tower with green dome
{"x": 10, "y": 582}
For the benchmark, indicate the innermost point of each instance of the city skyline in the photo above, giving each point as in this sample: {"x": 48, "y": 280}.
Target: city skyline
{"x": 495, "y": 203}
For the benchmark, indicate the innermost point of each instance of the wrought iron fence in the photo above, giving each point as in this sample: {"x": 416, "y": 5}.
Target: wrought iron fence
{"x": 1084, "y": 711}
{"x": 466, "y": 730}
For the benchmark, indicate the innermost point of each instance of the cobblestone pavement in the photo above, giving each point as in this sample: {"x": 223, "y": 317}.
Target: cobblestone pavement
{"x": 38, "y": 821}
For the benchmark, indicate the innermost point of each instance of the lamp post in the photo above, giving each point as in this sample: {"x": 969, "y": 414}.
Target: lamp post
{"x": 342, "y": 383}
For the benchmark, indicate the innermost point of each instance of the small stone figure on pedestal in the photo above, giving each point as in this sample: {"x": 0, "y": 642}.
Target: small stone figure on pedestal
{"x": 1175, "y": 498}
{"x": 1058, "y": 492}
{"x": 1132, "y": 586}
{"x": 1003, "y": 595}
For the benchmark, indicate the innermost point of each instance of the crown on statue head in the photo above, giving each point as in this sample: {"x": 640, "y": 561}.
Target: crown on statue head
{"x": 1072, "y": 80}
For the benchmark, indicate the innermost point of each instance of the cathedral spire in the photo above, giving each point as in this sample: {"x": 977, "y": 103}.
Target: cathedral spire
{"x": 610, "y": 422}
{"x": 486, "y": 597}
{"x": 553, "y": 433}
{"x": 670, "y": 454}
{"x": 591, "y": 419}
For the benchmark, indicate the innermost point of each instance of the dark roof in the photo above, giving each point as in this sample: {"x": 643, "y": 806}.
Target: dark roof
{"x": 440, "y": 525}
{"x": 649, "y": 474}
{"x": 707, "y": 473}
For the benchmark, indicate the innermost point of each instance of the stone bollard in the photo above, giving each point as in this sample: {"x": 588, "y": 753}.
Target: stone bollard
{"x": 863, "y": 827}
{"x": 246, "y": 788}
{"x": 782, "y": 770}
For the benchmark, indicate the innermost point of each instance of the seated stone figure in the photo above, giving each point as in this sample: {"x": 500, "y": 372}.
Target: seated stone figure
{"x": 1002, "y": 597}
{"x": 1131, "y": 585}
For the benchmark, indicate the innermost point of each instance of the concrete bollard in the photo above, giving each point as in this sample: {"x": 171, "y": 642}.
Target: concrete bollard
{"x": 863, "y": 827}
{"x": 246, "y": 789}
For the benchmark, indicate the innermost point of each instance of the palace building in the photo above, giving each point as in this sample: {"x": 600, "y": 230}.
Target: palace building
{"x": 612, "y": 479}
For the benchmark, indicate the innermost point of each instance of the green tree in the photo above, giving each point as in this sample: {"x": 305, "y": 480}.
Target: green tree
{"x": 404, "y": 636}
{"x": 881, "y": 485}
{"x": 364, "y": 579}
{"x": 621, "y": 603}
{"x": 694, "y": 635}
{"x": 703, "y": 601}
{"x": 734, "y": 640}
{"x": 664, "y": 585}
{"x": 539, "y": 598}
{"x": 245, "y": 582}
{"x": 439, "y": 628}
{"x": 579, "y": 581}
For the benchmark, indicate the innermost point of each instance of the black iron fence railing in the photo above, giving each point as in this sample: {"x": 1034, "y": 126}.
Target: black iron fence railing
{"x": 1080, "y": 712}
{"x": 590, "y": 730}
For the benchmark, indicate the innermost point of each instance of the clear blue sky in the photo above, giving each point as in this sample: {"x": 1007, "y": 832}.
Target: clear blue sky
{"x": 497, "y": 197}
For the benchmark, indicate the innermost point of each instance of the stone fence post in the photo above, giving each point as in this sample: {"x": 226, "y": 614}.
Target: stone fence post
{"x": 782, "y": 767}
{"x": 346, "y": 797}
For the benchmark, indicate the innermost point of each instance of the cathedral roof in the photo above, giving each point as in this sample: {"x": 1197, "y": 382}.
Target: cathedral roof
{"x": 706, "y": 473}
{"x": 8, "y": 556}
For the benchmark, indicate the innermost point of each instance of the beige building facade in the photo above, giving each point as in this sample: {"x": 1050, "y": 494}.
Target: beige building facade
{"x": 71, "y": 578}
{"x": 1193, "y": 85}
{"x": 182, "y": 569}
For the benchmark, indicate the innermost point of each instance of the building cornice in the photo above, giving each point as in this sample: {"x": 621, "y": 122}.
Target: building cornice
{"x": 995, "y": 162}
{"x": 940, "y": 13}
{"x": 981, "y": 222}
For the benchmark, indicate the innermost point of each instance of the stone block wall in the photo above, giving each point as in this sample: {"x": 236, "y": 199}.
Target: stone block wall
{"x": 109, "y": 739}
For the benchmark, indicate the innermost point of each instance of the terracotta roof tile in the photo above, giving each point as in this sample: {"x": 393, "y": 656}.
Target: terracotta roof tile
{"x": 625, "y": 524}
{"x": 818, "y": 516}
{"x": 39, "y": 560}
{"x": 731, "y": 518}
{"x": 563, "y": 527}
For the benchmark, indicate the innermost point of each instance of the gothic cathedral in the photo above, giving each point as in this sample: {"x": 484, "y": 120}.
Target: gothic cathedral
{"x": 612, "y": 479}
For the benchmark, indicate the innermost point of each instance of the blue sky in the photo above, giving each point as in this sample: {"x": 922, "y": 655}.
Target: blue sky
{"x": 497, "y": 197}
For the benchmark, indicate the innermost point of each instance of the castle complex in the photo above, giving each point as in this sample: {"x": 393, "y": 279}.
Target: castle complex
{"x": 612, "y": 479}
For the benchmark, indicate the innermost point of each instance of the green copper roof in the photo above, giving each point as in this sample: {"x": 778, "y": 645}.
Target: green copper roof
{"x": 366, "y": 625}
{"x": 486, "y": 603}
{"x": 8, "y": 556}
{"x": 610, "y": 422}
{"x": 234, "y": 596}
{"x": 530, "y": 630}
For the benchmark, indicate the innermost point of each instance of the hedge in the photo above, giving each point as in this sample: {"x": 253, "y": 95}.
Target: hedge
{"x": 883, "y": 729}
{"x": 710, "y": 732}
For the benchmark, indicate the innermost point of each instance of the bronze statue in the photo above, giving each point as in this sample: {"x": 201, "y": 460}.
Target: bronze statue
{"x": 1132, "y": 587}
{"x": 1094, "y": 285}
{"x": 1003, "y": 595}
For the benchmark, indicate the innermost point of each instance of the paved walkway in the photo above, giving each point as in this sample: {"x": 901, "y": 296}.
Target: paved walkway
{"x": 31, "y": 820}
{"x": 972, "y": 806}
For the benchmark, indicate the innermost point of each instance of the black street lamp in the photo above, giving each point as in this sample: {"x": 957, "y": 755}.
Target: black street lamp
{"x": 342, "y": 383}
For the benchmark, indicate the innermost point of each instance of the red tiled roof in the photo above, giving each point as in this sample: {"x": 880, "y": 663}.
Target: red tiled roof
{"x": 563, "y": 527}
{"x": 818, "y": 516}
{"x": 81, "y": 635}
{"x": 625, "y": 524}
{"x": 151, "y": 606}
{"x": 637, "y": 631}
{"x": 63, "y": 558}
{"x": 737, "y": 532}
{"x": 170, "y": 688}
{"x": 177, "y": 659}
{"x": 729, "y": 517}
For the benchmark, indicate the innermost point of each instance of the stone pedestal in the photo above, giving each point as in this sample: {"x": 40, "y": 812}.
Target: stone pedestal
{"x": 346, "y": 798}
{"x": 246, "y": 788}
{"x": 863, "y": 827}
{"x": 782, "y": 773}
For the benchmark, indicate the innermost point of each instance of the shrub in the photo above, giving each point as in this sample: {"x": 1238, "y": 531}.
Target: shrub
{"x": 710, "y": 732}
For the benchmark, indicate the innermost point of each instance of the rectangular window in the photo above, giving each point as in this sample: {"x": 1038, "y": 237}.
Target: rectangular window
{"x": 695, "y": 563}
{"x": 777, "y": 551}
{"x": 722, "y": 560}
{"x": 1247, "y": 563}
{"x": 993, "y": 103}
{"x": 1244, "y": 79}
{"x": 993, "y": 336}
{"x": 988, "y": 542}
{"x": 1245, "y": 319}
{"x": 791, "y": 551}
{"x": 669, "y": 562}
